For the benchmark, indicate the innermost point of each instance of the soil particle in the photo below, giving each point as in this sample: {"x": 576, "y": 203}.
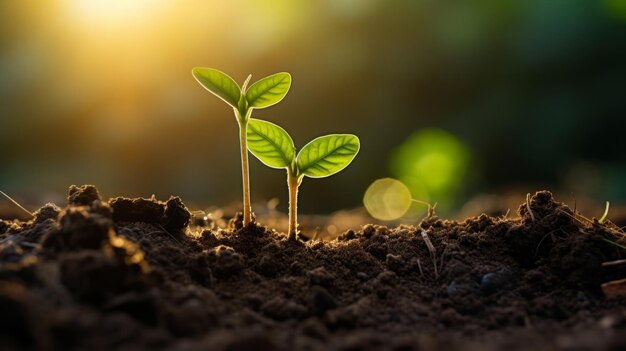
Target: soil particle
{"x": 129, "y": 274}
{"x": 49, "y": 212}
{"x": 177, "y": 215}
{"x": 395, "y": 262}
{"x": 281, "y": 309}
{"x": 172, "y": 215}
{"x": 79, "y": 229}
{"x": 83, "y": 195}
{"x": 321, "y": 276}
{"x": 225, "y": 262}
{"x": 137, "y": 210}
{"x": 97, "y": 275}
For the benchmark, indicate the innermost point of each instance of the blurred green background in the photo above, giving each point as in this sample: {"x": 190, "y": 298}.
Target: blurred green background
{"x": 455, "y": 98}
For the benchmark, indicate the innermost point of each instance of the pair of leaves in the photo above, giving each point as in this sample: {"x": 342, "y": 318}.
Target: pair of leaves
{"x": 264, "y": 93}
{"x": 322, "y": 157}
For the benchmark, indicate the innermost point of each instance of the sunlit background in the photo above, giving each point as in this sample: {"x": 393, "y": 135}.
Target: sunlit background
{"x": 459, "y": 100}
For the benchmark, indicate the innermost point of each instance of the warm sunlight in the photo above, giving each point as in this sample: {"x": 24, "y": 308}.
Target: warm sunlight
{"x": 98, "y": 13}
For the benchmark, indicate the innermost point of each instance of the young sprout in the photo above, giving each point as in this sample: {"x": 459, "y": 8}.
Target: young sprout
{"x": 606, "y": 213}
{"x": 322, "y": 157}
{"x": 264, "y": 93}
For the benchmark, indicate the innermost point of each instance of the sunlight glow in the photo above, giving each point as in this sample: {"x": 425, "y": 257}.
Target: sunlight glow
{"x": 434, "y": 161}
{"x": 387, "y": 199}
{"x": 108, "y": 13}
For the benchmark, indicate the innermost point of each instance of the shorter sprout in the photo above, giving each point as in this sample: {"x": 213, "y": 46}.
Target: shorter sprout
{"x": 606, "y": 213}
{"x": 322, "y": 157}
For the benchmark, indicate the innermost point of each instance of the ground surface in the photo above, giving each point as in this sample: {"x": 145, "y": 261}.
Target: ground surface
{"x": 130, "y": 274}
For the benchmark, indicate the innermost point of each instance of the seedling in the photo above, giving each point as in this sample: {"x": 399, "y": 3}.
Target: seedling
{"x": 606, "y": 213}
{"x": 264, "y": 93}
{"x": 322, "y": 157}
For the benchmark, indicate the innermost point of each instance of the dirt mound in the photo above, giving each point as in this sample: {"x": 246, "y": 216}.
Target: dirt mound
{"x": 129, "y": 274}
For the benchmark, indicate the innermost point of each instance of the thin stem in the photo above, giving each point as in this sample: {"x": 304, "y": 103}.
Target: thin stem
{"x": 606, "y": 213}
{"x": 293, "y": 182}
{"x": 17, "y": 204}
{"x": 243, "y": 139}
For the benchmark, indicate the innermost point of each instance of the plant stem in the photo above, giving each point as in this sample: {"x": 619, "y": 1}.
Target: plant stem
{"x": 293, "y": 182}
{"x": 243, "y": 139}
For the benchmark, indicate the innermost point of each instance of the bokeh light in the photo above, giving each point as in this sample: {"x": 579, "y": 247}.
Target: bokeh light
{"x": 387, "y": 199}
{"x": 434, "y": 162}
{"x": 101, "y": 92}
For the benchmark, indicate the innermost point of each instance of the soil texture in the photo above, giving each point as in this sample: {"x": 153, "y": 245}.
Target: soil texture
{"x": 143, "y": 274}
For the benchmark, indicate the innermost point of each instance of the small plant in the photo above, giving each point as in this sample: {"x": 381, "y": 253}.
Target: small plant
{"x": 264, "y": 93}
{"x": 322, "y": 157}
{"x": 606, "y": 213}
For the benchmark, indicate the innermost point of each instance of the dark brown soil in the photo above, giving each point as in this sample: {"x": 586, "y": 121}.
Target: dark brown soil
{"x": 129, "y": 274}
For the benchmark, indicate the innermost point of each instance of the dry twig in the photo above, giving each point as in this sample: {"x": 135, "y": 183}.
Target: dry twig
{"x": 17, "y": 204}
{"x": 431, "y": 250}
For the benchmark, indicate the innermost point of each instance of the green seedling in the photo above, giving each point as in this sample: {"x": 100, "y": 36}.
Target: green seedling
{"x": 322, "y": 157}
{"x": 264, "y": 93}
{"x": 606, "y": 213}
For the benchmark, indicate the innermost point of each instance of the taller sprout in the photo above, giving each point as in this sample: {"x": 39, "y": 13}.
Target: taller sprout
{"x": 264, "y": 93}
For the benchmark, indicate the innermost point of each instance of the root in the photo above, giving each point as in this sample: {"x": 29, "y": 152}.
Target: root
{"x": 506, "y": 215}
{"x": 419, "y": 266}
{"x": 431, "y": 208}
{"x": 532, "y": 215}
{"x": 443, "y": 256}
{"x": 551, "y": 233}
{"x": 614, "y": 243}
{"x": 170, "y": 234}
{"x": 432, "y": 251}
{"x": 613, "y": 263}
{"x": 17, "y": 204}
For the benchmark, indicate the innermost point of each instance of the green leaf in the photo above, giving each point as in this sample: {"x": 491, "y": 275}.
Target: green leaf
{"x": 269, "y": 90}
{"x": 270, "y": 143}
{"x": 218, "y": 83}
{"x": 327, "y": 155}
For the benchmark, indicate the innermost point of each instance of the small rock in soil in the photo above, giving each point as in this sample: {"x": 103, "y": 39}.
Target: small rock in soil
{"x": 496, "y": 281}
{"x": 177, "y": 216}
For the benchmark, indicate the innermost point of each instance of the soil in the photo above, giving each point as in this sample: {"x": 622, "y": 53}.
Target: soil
{"x": 142, "y": 274}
